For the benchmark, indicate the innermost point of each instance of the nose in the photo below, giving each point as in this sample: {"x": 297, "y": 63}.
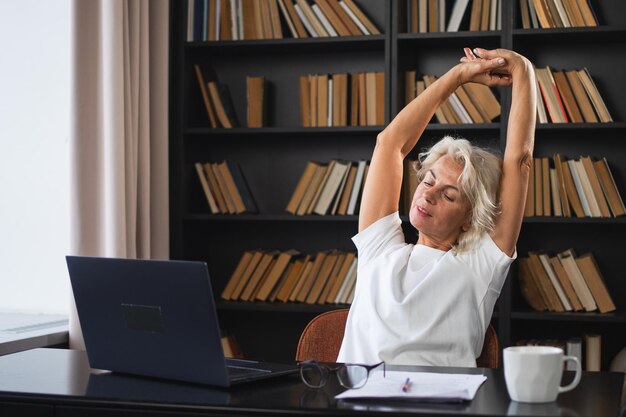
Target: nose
{"x": 429, "y": 196}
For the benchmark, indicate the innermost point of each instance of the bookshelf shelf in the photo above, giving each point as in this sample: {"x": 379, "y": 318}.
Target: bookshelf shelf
{"x": 326, "y": 44}
{"x": 279, "y": 307}
{"x": 273, "y": 158}
{"x": 268, "y": 218}
{"x": 618, "y": 317}
{"x": 576, "y": 220}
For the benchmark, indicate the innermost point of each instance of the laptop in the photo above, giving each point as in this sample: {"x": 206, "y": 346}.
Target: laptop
{"x": 156, "y": 318}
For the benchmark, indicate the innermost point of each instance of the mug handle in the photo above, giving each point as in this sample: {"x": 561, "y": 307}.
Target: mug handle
{"x": 576, "y": 380}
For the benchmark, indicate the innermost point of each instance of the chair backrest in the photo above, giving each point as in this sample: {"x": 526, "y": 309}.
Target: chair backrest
{"x": 322, "y": 337}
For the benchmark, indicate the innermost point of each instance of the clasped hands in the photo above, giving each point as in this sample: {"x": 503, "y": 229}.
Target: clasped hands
{"x": 494, "y": 68}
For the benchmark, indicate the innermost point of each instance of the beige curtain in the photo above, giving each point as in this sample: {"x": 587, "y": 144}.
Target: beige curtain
{"x": 119, "y": 138}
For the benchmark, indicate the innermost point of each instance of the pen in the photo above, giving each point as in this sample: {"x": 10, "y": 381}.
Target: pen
{"x": 406, "y": 385}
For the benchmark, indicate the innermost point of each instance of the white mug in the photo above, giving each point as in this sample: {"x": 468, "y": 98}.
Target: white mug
{"x": 533, "y": 373}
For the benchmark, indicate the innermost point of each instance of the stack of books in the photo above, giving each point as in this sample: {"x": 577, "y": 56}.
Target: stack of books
{"x": 225, "y": 20}
{"x": 217, "y": 101}
{"x": 550, "y": 14}
{"x": 569, "y": 96}
{"x": 470, "y": 103}
{"x": 564, "y": 282}
{"x": 567, "y": 188}
{"x": 332, "y": 188}
{"x": 327, "y": 277}
{"x": 342, "y": 99}
{"x": 225, "y": 188}
{"x": 431, "y": 16}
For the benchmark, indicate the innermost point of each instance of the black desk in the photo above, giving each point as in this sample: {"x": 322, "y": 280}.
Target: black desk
{"x": 58, "y": 382}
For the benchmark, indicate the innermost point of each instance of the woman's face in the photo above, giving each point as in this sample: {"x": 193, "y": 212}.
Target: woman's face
{"x": 438, "y": 210}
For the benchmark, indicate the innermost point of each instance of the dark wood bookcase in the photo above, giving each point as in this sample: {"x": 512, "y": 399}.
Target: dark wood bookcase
{"x": 272, "y": 158}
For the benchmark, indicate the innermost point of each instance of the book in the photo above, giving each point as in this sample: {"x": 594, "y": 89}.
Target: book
{"x": 567, "y": 97}
{"x": 246, "y": 274}
{"x": 205, "y": 95}
{"x": 338, "y": 196}
{"x": 255, "y": 99}
{"x": 568, "y": 260}
{"x": 257, "y": 275}
{"x": 583, "y": 101}
{"x": 590, "y": 271}
{"x": 331, "y": 15}
{"x": 359, "y": 18}
{"x": 546, "y": 286}
{"x": 609, "y": 188}
{"x": 558, "y": 165}
{"x": 529, "y": 287}
{"x": 556, "y": 283}
{"x": 301, "y": 187}
{"x": 571, "y": 191}
{"x": 321, "y": 277}
{"x": 545, "y": 186}
{"x": 345, "y": 18}
{"x": 556, "y": 197}
{"x": 587, "y": 13}
{"x": 550, "y": 95}
{"x": 593, "y": 352}
{"x": 574, "y": 170}
{"x": 229, "y": 184}
{"x": 282, "y": 261}
{"x": 342, "y": 273}
{"x": 312, "y": 18}
{"x": 342, "y": 208}
{"x": 241, "y": 185}
{"x": 574, "y": 347}
{"x": 484, "y": 100}
{"x": 596, "y": 188}
{"x": 292, "y": 19}
{"x": 291, "y": 279}
{"x": 566, "y": 284}
{"x": 585, "y": 183}
{"x": 309, "y": 280}
{"x": 333, "y": 277}
{"x": 356, "y": 190}
{"x": 525, "y": 14}
{"x": 475, "y": 13}
{"x": 456, "y": 15}
{"x": 302, "y": 278}
{"x": 220, "y": 108}
{"x": 205, "y": 187}
{"x": 309, "y": 194}
{"x": 223, "y": 186}
{"x": 330, "y": 189}
{"x": 323, "y": 19}
{"x": 594, "y": 95}
{"x": 237, "y": 275}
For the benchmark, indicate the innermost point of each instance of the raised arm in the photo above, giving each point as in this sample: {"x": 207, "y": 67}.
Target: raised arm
{"x": 520, "y": 139}
{"x": 382, "y": 189}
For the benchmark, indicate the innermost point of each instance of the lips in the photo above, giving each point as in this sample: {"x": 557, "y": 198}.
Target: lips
{"x": 422, "y": 212}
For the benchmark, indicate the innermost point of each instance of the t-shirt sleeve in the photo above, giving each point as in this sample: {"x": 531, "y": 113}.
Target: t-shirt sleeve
{"x": 382, "y": 236}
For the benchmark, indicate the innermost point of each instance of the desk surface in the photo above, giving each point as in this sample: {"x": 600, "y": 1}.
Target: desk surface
{"x": 61, "y": 380}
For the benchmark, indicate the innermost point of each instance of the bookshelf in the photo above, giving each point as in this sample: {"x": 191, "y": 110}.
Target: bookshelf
{"x": 272, "y": 158}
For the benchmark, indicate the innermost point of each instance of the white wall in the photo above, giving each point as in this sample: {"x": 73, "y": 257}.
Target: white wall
{"x": 34, "y": 155}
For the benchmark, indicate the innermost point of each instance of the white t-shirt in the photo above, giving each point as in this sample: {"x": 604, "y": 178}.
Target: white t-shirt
{"x": 416, "y": 305}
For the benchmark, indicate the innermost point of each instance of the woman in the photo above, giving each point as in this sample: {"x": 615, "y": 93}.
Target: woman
{"x": 431, "y": 303}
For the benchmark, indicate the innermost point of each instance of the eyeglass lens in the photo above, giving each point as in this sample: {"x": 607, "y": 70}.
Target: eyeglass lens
{"x": 352, "y": 376}
{"x": 313, "y": 375}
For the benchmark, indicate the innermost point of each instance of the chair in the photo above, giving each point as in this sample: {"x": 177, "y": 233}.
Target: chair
{"x": 322, "y": 337}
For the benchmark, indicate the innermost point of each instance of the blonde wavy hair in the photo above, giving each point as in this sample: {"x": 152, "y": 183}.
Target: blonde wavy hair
{"x": 479, "y": 182}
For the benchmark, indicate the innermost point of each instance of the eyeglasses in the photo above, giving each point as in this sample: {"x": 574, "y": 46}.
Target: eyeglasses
{"x": 349, "y": 375}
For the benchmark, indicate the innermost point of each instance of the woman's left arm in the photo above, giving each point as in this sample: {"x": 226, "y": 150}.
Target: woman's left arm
{"x": 518, "y": 153}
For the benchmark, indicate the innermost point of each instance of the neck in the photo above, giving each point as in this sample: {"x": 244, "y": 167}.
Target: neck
{"x": 434, "y": 242}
